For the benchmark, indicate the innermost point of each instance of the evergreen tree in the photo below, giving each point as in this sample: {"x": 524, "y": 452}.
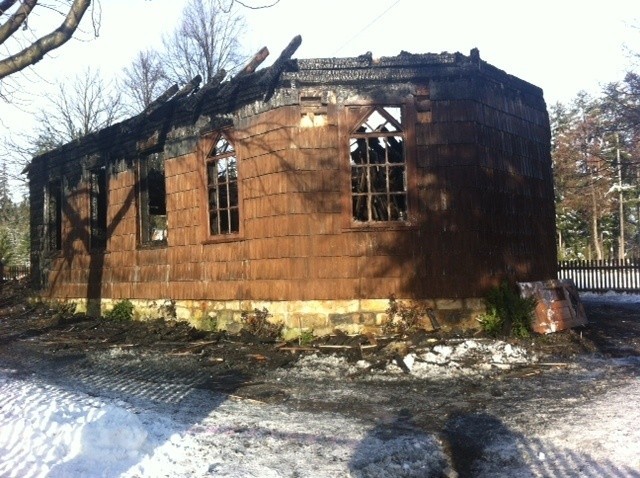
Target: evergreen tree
{"x": 6, "y": 205}
{"x": 14, "y": 225}
{"x": 583, "y": 179}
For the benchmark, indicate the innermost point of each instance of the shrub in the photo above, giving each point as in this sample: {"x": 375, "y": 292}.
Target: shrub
{"x": 65, "y": 308}
{"x": 62, "y": 311}
{"x": 168, "y": 310}
{"x": 490, "y": 322}
{"x": 403, "y": 319}
{"x": 210, "y": 323}
{"x": 507, "y": 312}
{"x": 256, "y": 323}
{"x": 123, "y": 310}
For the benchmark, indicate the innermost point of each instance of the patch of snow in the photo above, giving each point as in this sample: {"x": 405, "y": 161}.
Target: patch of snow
{"x": 592, "y": 441}
{"x": 58, "y": 431}
{"x": 611, "y": 296}
{"x": 323, "y": 366}
{"x": 407, "y": 456}
{"x": 45, "y": 428}
{"x": 468, "y": 357}
{"x": 48, "y": 431}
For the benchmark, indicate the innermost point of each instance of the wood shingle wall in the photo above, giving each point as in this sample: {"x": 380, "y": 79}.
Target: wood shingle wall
{"x": 479, "y": 188}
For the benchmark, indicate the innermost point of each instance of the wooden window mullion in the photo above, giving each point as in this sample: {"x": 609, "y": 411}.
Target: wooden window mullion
{"x": 375, "y": 144}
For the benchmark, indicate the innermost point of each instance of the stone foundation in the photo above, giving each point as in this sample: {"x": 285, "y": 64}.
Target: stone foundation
{"x": 319, "y": 316}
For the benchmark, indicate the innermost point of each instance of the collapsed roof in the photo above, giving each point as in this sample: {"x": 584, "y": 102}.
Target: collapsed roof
{"x": 194, "y": 109}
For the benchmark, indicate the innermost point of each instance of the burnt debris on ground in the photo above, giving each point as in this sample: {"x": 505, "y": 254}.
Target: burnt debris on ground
{"x": 454, "y": 387}
{"x": 611, "y": 332}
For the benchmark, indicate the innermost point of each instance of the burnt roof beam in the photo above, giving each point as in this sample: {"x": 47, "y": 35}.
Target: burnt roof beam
{"x": 163, "y": 98}
{"x": 254, "y": 63}
{"x": 194, "y": 103}
{"x": 189, "y": 87}
{"x": 279, "y": 65}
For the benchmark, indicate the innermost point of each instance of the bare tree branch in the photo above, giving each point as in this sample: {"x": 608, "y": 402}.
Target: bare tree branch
{"x": 16, "y": 20}
{"x": 38, "y": 49}
{"x": 144, "y": 80}
{"x": 80, "y": 107}
{"x": 6, "y": 5}
{"x": 250, "y": 7}
{"x": 256, "y": 7}
{"x": 206, "y": 41}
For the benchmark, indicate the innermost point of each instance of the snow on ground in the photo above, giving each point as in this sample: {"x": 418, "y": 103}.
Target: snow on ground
{"x": 44, "y": 427}
{"x": 601, "y": 439}
{"x": 144, "y": 424}
{"x": 48, "y": 431}
{"x": 611, "y": 296}
{"x": 456, "y": 358}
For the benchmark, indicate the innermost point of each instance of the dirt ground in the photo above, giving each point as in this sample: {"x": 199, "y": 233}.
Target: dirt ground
{"x": 37, "y": 340}
{"x": 238, "y": 361}
{"x": 613, "y": 330}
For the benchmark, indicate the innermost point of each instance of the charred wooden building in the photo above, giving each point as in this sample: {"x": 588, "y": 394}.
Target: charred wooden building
{"x": 316, "y": 188}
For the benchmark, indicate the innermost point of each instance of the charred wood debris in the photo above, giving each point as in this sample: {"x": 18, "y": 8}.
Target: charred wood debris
{"x": 60, "y": 329}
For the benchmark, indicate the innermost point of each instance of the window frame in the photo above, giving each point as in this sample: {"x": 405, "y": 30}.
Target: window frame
{"x": 353, "y": 117}
{"x": 57, "y": 221}
{"x": 207, "y": 147}
{"x": 98, "y": 208}
{"x": 144, "y": 237}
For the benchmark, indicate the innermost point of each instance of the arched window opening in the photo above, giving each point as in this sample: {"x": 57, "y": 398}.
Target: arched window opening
{"x": 222, "y": 188}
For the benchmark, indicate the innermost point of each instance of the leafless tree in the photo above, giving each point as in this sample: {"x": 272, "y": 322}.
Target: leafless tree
{"x": 21, "y": 46}
{"x": 79, "y": 107}
{"x": 227, "y": 5}
{"x": 144, "y": 80}
{"x": 206, "y": 41}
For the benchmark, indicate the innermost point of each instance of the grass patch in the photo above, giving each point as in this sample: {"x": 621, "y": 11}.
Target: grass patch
{"x": 305, "y": 338}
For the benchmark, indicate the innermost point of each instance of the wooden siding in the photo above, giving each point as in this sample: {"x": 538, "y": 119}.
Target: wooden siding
{"x": 480, "y": 198}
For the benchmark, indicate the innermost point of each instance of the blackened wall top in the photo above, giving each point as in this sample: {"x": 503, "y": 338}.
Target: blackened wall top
{"x": 215, "y": 104}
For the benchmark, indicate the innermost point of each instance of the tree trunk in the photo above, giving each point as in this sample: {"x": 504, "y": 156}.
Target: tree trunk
{"x": 621, "y": 251}
{"x": 561, "y": 253}
{"x": 594, "y": 223}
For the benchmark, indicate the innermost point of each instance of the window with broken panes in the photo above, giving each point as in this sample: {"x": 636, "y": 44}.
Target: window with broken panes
{"x": 378, "y": 167}
{"x": 222, "y": 188}
{"x": 98, "y": 208}
{"x": 153, "y": 200}
{"x": 54, "y": 215}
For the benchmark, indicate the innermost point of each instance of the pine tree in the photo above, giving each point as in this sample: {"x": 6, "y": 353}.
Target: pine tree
{"x": 583, "y": 179}
{"x": 6, "y": 205}
{"x": 14, "y": 225}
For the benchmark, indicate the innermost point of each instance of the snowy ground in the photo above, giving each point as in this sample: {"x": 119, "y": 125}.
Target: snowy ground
{"x": 610, "y": 297}
{"x": 50, "y": 431}
{"x": 120, "y": 413}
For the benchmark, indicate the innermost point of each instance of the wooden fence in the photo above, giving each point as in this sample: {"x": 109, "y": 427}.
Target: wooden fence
{"x": 602, "y": 275}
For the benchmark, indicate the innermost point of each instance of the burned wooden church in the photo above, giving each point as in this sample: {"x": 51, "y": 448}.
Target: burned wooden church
{"x": 316, "y": 188}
